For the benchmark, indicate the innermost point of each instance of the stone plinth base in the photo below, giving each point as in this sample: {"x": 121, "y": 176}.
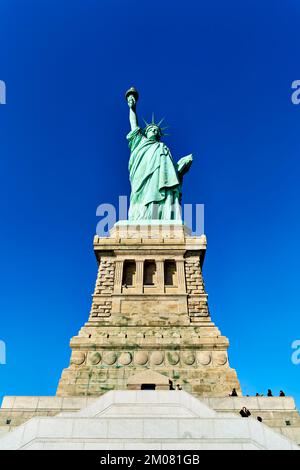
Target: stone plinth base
{"x": 145, "y": 420}
{"x": 157, "y": 229}
{"x": 279, "y": 413}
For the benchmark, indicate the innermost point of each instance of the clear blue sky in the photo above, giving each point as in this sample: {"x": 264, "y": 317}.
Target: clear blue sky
{"x": 221, "y": 73}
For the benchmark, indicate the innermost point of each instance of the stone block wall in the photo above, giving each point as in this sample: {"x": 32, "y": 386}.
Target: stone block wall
{"x": 197, "y": 297}
{"x": 102, "y": 304}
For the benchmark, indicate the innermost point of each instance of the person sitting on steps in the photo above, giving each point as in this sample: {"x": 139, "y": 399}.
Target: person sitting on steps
{"x": 245, "y": 412}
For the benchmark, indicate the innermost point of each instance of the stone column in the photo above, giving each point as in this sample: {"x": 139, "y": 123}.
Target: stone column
{"x": 160, "y": 275}
{"x": 118, "y": 276}
{"x": 139, "y": 276}
{"x": 180, "y": 275}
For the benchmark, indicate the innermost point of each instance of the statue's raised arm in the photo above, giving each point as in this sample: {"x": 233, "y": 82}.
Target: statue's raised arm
{"x": 132, "y": 97}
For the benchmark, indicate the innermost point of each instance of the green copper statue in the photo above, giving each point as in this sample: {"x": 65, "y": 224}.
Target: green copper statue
{"x": 155, "y": 179}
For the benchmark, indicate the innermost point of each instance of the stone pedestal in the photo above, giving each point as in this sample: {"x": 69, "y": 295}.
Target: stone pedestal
{"x": 149, "y": 313}
{"x": 149, "y": 329}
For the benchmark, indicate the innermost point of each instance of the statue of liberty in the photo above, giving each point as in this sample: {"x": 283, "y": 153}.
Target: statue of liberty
{"x": 155, "y": 179}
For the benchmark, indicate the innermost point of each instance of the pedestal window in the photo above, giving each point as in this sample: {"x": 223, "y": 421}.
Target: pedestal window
{"x": 170, "y": 273}
{"x": 129, "y": 274}
{"x": 150, "y": 273}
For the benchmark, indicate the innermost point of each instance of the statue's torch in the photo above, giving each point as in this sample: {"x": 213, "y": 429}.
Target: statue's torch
{"x": 132, "y": 92}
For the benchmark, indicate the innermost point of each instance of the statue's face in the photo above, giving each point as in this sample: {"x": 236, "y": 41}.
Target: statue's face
{"x": 153, "y": 133}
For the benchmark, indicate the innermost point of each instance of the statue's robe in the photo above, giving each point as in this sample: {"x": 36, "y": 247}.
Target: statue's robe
{"x": 155, "y": 183}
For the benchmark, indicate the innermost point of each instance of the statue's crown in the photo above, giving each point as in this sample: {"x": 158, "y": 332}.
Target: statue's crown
{"x": 153, "y": 123}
